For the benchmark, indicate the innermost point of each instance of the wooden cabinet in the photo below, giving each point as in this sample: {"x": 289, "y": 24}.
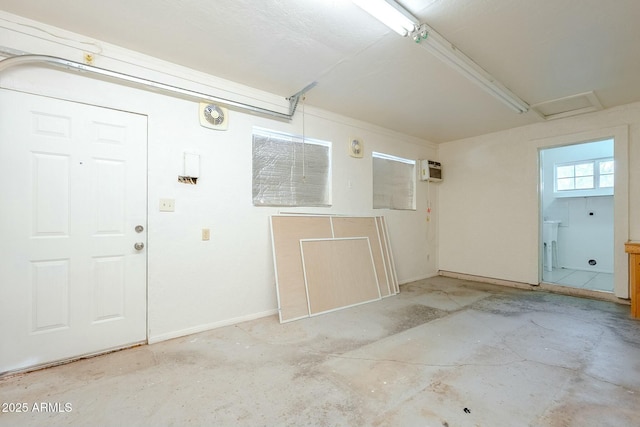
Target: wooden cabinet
{"x": 633, "y": 249}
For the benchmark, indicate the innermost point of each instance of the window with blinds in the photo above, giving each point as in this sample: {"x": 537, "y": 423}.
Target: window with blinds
{"x": 289, "y": 170}
{"x": 394, "y": 181}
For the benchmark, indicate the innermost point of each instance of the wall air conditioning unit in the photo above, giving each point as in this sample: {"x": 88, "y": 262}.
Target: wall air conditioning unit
{"x": 430, "y": 171}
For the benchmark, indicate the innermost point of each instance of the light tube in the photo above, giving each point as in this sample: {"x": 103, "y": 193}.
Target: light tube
{"x": 391, "y": 14}
{"x": 433, "y": 42}
{"x": 402, "y": 22}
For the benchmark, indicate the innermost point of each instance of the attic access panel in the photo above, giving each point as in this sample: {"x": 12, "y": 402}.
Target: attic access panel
{"x": 568, "y": 106}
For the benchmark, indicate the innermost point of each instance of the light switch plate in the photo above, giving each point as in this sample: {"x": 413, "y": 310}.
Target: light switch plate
{"x": 167, "y": 205}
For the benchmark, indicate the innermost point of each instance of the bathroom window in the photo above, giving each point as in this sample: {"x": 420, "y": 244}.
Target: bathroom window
{"x": 584, "y": 178}
{"x": 605, "y": 168}
{"x": 394, "y": 180}
{"x": 289, "y": 170}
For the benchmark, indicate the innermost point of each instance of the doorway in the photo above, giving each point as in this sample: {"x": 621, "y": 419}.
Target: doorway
{"x": 577, "y": 215}
{"x": 72, "y": 256}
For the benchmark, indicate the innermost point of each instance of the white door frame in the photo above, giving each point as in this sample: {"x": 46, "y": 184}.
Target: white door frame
{"x": 620, "y": 135}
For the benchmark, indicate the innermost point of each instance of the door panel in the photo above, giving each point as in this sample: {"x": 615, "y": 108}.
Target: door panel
{"x": 72, "y": 190}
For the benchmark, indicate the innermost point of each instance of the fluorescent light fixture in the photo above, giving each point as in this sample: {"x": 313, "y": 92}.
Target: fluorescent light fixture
{"x": 402, "y": 22}
{"x": 433, "y": 42}
{"x": 391, "y": 14}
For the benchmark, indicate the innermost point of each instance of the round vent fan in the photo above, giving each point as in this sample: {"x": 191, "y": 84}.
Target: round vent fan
{"x": 213, "y": 116}
{"x": 355, "y": 147}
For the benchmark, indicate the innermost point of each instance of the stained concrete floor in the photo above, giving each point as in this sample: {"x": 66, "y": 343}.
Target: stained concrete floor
{"x": 445, "y": 352}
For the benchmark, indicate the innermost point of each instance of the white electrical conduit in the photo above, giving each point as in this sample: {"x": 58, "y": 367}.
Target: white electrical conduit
{"x": 150, "y": 84}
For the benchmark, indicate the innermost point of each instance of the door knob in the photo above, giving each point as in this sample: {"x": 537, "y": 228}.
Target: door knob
{"x": 139, "y": 229}
{"x": 138, "y": 246}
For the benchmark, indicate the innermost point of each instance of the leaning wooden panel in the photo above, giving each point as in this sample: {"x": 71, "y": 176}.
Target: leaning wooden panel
{"x": 365, "y": 227}
{"x": 338, "y": 273}
{"x": 385, "y": 255}
{"x": 393, "y": 264}
{"x": 286, "y": 232}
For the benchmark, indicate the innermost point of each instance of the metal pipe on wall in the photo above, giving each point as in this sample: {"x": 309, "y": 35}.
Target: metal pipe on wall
{"x": 150, "y": 84}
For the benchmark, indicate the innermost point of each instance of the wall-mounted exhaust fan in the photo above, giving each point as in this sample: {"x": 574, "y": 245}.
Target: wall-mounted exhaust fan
{"x": 213, "y": 116}
{"x": 355, "y": 147}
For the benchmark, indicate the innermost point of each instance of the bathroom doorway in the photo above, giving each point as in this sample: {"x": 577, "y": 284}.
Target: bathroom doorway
{"x": 577, "y": 215}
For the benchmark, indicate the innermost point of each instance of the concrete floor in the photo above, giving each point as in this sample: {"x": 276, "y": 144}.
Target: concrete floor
{"x": 445, "y": 352}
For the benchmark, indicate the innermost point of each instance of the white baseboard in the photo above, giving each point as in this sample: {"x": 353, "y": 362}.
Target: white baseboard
{"x": 482, "y": 279}
{"x": 208, "y": 326}
{"x": 415, "y": 279}
{"x": 546, "y": 287}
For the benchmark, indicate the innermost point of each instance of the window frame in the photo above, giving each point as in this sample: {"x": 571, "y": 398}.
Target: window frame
{"x": 389, "y": 196}
{"x": 302, "y": 191}
{"x": 596, "y": 190}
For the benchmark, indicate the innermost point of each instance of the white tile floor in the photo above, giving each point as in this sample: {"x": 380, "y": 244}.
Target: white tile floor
{"x": 579, "y": 279}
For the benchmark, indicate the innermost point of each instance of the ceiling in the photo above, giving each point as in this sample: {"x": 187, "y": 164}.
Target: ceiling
{"x": 542, "y": 50}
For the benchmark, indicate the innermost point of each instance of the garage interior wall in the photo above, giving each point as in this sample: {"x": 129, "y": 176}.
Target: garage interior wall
{"x": 194, "y": 285}
{"x": 489, "y": 201}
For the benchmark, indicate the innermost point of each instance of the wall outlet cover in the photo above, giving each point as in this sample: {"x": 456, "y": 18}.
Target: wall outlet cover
{"x": 167, "y": 205}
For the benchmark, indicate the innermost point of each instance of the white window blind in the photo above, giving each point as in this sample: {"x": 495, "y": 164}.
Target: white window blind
{"x": 394, "y": 181}
{"x": 290, "y": 171}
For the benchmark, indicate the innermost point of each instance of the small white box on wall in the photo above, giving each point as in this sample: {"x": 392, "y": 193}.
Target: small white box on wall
{"x": 191, "y": 165}
{"x": 430, "y": 171}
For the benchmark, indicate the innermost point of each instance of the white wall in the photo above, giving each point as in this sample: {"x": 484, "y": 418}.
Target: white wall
{"x": 195, "y": 285}
{"x": 489, "y": 199}
{"x": 585, "y": 237}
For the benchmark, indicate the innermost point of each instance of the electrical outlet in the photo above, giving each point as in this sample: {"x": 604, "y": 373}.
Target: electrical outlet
{"x": 206, "y": 234}
{"x": 167, "y": 205}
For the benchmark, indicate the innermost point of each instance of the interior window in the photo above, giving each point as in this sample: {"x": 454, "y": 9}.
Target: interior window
{"x": 394, "y": 180}
{"x": 584, "y": 177}
{"x": 289, "y": 170}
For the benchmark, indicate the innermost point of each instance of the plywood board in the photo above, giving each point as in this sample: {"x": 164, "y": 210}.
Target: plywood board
{"x": 391, "y": 268}
{"x": 385, "y": 255}
{"x": 286, "y": 232}
{"x": 365, "y": 227}
{"x": 338, "y": 273}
